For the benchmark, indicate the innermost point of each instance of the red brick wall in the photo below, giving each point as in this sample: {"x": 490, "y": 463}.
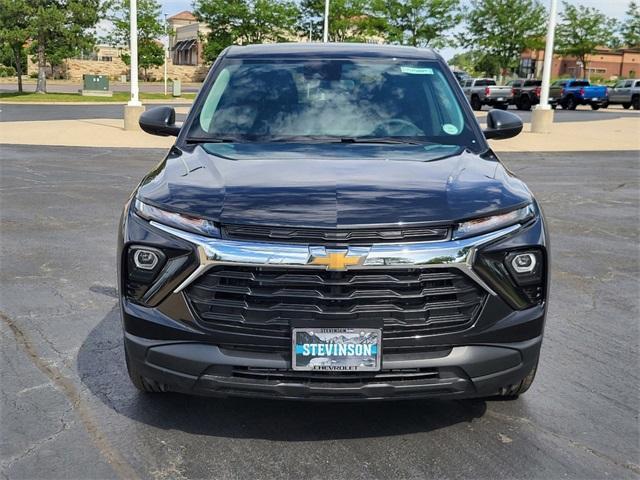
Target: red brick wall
{"x": 631, "y": 64}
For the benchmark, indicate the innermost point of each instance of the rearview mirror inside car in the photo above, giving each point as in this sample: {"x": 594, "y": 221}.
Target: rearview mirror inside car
{"x": 501, "y": 125}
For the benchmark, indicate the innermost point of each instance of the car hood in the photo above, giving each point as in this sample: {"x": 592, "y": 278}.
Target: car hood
{"x": 331, "y": 185}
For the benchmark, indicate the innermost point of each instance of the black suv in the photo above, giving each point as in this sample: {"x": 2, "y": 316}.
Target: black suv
{"x": 331, "y": 224}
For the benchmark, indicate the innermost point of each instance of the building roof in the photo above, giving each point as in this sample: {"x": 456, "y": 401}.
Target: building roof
{"x": 184, "y": 15}
{"x": 335, "y": 50}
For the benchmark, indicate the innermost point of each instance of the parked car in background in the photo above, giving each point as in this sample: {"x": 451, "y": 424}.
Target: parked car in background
{"x": 626, "y": 93}
{"x": 571, "y": 93}
{"x": 484, "y": 91}
{"x": 525, "y": 93}
{"x": 461, "y": 76}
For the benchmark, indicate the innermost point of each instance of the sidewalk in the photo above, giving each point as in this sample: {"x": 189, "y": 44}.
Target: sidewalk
{"x": 614, "y": 134}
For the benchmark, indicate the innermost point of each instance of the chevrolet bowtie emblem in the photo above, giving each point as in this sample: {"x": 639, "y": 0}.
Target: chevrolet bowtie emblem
{"x": 336, "y": 259}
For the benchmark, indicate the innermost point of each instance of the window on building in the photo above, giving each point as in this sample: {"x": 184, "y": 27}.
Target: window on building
{"x": 527, "y": 67}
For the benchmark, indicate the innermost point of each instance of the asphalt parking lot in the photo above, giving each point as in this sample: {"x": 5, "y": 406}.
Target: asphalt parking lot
{"x": 68, "y": 410}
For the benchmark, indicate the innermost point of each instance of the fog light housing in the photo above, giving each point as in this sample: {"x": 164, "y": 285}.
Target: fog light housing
{"x": 525, "y": 267}
{"x": 524, "y": 262}
{"x": 145, "y": 259}
{"x": 143, "y": 264}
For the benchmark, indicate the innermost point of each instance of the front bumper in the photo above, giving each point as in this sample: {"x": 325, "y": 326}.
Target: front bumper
{"x": 458, "y": 372}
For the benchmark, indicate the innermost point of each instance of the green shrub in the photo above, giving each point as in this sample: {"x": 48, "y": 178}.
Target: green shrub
{"x": 7, "y": 71}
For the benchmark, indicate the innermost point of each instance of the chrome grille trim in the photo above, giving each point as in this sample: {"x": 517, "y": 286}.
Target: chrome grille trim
{"x": 445, "y": 254}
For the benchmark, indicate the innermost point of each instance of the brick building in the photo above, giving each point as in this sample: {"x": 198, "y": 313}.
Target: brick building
{"x": 605, "y": 62}
{"x": 185, "y": 42}
{"x": 185, "y": 60}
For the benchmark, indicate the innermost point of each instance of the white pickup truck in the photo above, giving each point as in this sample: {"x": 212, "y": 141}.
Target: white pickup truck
{"x": 484, "y": 91}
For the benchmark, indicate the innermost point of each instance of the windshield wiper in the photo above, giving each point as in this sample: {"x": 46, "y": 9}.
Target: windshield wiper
{"x": 213, "y": 140}
{"x": 384, "y": 140}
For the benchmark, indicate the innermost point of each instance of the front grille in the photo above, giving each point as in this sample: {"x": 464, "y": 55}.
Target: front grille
{"x": 335, "y": 236}
{"x": 252, "y": 308}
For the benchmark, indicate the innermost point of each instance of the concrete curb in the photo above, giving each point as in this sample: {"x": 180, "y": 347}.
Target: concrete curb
{"x": 183, "y": 101}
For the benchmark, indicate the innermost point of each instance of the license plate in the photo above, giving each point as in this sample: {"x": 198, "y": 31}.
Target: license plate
{"x": 594, "y": 99}
{"x": 501, "y": 99}
{"x": 550, "y": 98}
{"x": 336, "y": 349}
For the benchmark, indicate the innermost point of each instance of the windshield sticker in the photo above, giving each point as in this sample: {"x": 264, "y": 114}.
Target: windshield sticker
{"x": 450, "y": 129}
{"x": 417, "y": 70}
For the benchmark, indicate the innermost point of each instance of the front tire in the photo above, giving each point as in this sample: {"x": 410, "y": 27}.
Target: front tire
{"x": 595, "y": 107}
{"x": 635, "y": 102}
{"x": 512, "y": 392}
{"x": 142, "y": 384}
{"x": 476, "y": 104}
{"x": 570, "y": 103}
{"x": 626, "y": 106}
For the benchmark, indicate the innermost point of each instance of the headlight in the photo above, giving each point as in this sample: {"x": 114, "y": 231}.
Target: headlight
{"x": 177, "y": 220}
{"x": 495, "y": 222}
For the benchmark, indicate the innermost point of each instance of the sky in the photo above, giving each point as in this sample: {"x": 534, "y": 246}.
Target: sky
{"x": 611, "y": 8}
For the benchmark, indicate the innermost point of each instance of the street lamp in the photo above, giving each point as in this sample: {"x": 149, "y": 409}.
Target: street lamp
{"x": 133, "y": 109}
{"x": 166, "y": 53}
{"x": 542, "y": 116}
{"x": 325, "y": 35}
{"x": 133, "y": 36}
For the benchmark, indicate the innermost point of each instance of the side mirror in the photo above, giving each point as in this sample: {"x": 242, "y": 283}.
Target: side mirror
{"x": 501, "y": 125}
{"x": 160, "y": 121}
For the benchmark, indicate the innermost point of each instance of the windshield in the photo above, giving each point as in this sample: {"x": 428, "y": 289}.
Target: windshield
{"x": 255, "y": 100}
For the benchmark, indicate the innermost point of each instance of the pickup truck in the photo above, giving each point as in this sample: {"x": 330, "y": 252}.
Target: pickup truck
{"x": 626, "y": 93}
{"x": 484, "y": 91}
{"x": 525, "y": 93}
{"x": 571, "y": 93}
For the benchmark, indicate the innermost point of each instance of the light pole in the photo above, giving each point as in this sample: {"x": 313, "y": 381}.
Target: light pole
{"x": 133, "y": 35}
{"x": 166, "y": 53}
{"x": 325, "y": 34}
{"x": 542, "y": 117}
{"x": 133, "y": 109}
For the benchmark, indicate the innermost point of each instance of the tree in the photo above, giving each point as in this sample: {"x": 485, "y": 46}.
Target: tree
{"x": 419, "y": 23}
{"x": 503, "y": 29}
{"x": 582, "y": 30}
{"x": 630, "y": 30}
{"x": 150, "y": 28}
{"x": 242, "y": 22}
{"x": 465, "y": 61}
{"x": 349, "y": 20}
{"x": 15, "y": 32}
{"x": 61, "y": 26}
{"x": 476, "y": 63}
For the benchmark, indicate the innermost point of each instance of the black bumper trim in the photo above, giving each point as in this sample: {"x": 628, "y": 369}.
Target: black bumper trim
{"x": 185, "y": 367}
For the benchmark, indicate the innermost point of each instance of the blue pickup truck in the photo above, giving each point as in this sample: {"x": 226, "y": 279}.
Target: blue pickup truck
{"x": 570, "y": 93}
